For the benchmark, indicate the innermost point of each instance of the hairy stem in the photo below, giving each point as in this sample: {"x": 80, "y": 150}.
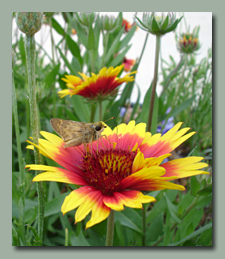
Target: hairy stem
{"x": 30, "y": 63}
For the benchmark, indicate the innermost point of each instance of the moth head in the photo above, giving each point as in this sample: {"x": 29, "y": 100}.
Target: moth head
{"x": 99, "y": 126}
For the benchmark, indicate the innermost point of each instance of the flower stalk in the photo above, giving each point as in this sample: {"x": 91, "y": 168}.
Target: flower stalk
{"x": 100, "y": 110}
{"x": 21, "y": 166}
{"x": 110, "y": 229}
{"x": 158, "y": 37}
{"x": 30, "y": 64}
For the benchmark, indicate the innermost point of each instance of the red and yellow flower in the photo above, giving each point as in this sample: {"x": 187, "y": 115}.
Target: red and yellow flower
{"x": 188, "y": 43}
{"x": 97, "y": 86}
{"x": 127, "y": 25}
{"x": 119, "y": 166}
{"x": 128, "y": 64}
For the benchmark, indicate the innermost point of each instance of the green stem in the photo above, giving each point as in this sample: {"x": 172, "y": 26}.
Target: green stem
{"x": 144, "y": 225}
{"x": 52, "y": 43}
{"x": 110, "y": 229}
{"x": 21, "y": 166}
{"x": 100, "y": 110}
{"x": 151, "y": 108}
{"x": 28, "y": 129}
{"x": 30, "y": 63}
{"x": 66, "y": 237}
{"x": 93, "y": 109}
{"x": 143, "y": 49}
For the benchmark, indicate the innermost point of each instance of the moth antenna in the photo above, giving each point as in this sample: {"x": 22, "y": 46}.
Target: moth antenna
{"x": 110, "y": 119}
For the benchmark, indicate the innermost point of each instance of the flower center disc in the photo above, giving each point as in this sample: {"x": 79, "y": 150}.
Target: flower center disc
{"x": 105, "y": 169}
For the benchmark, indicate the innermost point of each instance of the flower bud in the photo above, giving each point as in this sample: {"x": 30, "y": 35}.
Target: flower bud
{"x": 86, "y": 18}
{"x": 29, "y": 22}
{"x": 109, "y": 23}
{"x": 158, "y": 25}
{"x": 188, "y": 43}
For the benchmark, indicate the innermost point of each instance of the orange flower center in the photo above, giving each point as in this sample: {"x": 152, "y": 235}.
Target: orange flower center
{"x": 105, "y": 169}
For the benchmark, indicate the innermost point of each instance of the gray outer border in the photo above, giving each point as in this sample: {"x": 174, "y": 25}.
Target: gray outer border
{"x": 6, "y": 110}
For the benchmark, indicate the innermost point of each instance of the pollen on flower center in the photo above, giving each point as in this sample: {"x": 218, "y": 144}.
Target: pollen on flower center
{"x": 106, "y": 169}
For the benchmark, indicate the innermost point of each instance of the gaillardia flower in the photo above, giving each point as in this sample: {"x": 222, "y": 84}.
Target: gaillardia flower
{"x": 128, "y": 64}
{"x": 99, "y": 86}
{"x": 188, "y": 43}
{"x": 115, "y": 169}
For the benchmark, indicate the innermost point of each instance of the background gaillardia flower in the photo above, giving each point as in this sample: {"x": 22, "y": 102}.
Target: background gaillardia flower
{"x": 98, "y": 87}
{"x": 188, "y": 43}
{"x": 117, "y": 169}
{"x": 128, "y": 64}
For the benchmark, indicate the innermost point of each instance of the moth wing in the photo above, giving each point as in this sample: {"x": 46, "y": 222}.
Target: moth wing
{"x": 56, "y": 125}
{"x": 72, "y": 130}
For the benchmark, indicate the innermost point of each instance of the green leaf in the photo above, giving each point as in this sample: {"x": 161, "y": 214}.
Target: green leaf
{"x": 204, "y": 202}
{"x": 158, "y": 207}
{"x": 205, "y": 191}
{"x": 195, "y": 186}
{"x": 81, "y": 33}
{"x": 76, "y": 64}
{"x": 155, "y": 230}
{"x": 129, "y": 218}
{"x": 67, "y": 63}
{"x": 81, "y": 109}
{"x": 185, "y": 201}
{"x": 79, "y": 240}
{"x": 128, "y": 37}
{"x": 119, "y": 58}
{"x": 120, "y": 233}
{"x": 37, "y": 240}
{"x": 51, "y": 76}
{"x": 165, "y": 23}
{"x": 205, "y": 238}
{"x": 114, "y": 45}
{"x": 181, "y": 107}
{"x": 91, "y": 38}
{"x": 196, "y": 233}
{"x": 57, "y": 27}
{"x": 22, "y": 50}
{"x": 137, "y": 103}
{"x": 173, "y": 26}
{"x": 140, "y": 24}
{"x": 54, "y": 206}
{"x": 155, "y": 26}
{"x": 74, "y": 48}
{"x": 172, "y": 209}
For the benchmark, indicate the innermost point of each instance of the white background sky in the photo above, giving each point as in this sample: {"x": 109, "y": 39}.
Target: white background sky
{"x": 168, "y": 44}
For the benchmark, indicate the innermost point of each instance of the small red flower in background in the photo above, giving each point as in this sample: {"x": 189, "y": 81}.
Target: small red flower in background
{"x": 128, "y": 64}
{"x": 127, "y": 25}
{"x": 73, "y": 31}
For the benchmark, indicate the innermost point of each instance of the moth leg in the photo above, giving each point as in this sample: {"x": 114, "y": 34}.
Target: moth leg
{"x": 86, "y": 148}
{"x": 107, "y": 139}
